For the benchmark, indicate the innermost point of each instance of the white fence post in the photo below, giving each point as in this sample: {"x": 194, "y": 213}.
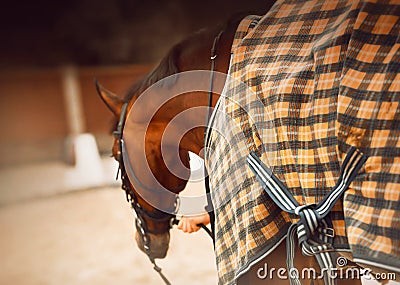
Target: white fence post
{"x": 88, "y": 170}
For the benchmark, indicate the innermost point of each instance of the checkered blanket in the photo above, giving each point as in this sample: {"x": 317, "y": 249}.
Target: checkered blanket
{"x": 307, "y": 81}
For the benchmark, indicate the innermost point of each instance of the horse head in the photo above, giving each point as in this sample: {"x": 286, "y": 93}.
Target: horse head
{"x": 171, "y": 168}
{"x": 152, "y": 223}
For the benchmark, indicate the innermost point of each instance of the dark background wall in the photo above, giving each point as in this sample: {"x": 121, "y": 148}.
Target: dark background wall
{"x": 93, "y": 32}
{"x": 117, "y": 41}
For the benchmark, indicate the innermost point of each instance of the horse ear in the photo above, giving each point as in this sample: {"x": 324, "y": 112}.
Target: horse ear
{"x": 113, "y": 102}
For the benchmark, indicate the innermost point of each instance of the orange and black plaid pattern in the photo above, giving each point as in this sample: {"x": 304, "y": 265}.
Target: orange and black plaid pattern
{"x": 327, "y": 75}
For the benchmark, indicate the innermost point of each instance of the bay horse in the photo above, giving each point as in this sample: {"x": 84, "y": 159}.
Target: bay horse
{"x": 193, "y": 53}
{"x": 139, "y": 131}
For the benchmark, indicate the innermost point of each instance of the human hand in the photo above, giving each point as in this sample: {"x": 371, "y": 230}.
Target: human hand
{"x": 190, "y": 224}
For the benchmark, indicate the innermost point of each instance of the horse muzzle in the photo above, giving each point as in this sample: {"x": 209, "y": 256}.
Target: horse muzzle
{"x": 158, "y": 244}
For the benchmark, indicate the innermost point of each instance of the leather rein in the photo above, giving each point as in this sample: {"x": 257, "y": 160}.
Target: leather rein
{"x": 141, "y": 214}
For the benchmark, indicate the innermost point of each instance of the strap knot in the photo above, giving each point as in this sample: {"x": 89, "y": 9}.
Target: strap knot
{"x": 299, "y": 208}
{"x": 314, "y": 230}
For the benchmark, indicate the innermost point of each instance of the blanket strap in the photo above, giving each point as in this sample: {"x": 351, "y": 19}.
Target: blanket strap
{"x": 314, "y": 229}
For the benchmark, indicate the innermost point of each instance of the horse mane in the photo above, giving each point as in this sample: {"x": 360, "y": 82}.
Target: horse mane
{"x": 168, "y": 66}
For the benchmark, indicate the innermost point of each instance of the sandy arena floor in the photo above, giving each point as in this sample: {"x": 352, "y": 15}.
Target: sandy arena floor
{"x": 51, "y": 235}
{"x": 86, "y": 238}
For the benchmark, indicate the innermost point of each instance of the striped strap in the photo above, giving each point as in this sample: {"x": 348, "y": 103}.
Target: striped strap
{"x": 314, "y": 229}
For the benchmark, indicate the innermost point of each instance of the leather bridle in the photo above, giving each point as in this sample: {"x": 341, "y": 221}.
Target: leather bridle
{"x": 126, "y": 185}
{"x": 141, "y": 214}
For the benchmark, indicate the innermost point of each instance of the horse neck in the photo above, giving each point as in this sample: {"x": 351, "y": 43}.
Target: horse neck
{"x": 190, "y": 55}
{"x": 198, "y": 58}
